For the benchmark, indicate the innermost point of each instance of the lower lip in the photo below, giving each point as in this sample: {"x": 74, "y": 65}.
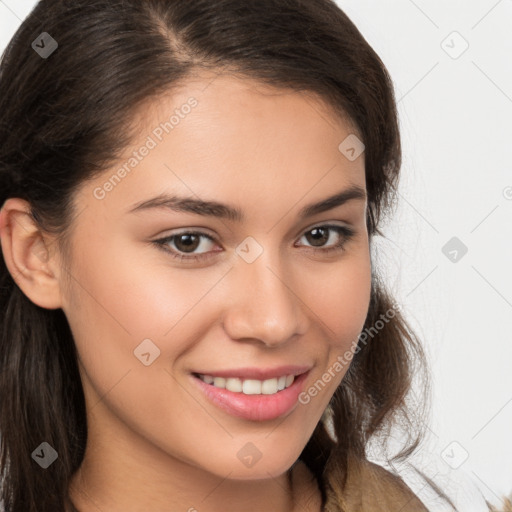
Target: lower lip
{"x": 254, "y": 407}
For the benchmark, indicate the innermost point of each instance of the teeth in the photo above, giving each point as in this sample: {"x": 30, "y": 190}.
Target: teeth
{"x": 219, "y": 382}
{"x": 234, "y": 385}
{"x": 250, "y": 386}
{"x": 207, "y": 378}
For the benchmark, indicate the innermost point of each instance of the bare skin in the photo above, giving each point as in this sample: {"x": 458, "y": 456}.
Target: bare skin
{"x": 155, "y": 442}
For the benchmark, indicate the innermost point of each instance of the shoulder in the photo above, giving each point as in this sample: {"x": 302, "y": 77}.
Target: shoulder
{"x": 388, "y": 490}
{"x": 371, "y": 487}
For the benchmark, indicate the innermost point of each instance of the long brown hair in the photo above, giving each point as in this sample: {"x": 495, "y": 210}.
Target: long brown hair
{"x": 66, "y": 117}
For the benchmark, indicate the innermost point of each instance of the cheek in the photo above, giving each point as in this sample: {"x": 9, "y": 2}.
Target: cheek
{"x": 128, "y": 291}
{"x": 340, "y": 298}
{"x": 341, "y": 303}
{"x": 119, "y": 303}
{"x": 118, "y": 298}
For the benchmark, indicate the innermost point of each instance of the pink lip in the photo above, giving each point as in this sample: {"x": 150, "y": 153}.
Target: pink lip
{"x": 254, "y": 407}
{"x": 258, "y": 373}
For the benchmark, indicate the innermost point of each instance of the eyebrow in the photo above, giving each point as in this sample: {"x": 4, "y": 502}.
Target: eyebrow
{"x": 224, "y": 211}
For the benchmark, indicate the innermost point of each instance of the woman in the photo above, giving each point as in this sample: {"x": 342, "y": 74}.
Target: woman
{"x": 190, "y": 313}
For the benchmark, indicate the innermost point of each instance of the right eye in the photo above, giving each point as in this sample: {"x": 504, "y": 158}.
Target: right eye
{"x": 184, "y": 243}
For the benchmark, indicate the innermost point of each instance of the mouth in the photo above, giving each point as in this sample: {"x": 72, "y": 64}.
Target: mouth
{"x": 249, "y": 386}
{"x": 250, "y": 398}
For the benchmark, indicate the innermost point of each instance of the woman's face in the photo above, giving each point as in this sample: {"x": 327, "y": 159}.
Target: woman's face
{"x": 259, "y": 291}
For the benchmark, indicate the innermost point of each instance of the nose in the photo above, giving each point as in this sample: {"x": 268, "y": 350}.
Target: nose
{"x": 263, "y": 303}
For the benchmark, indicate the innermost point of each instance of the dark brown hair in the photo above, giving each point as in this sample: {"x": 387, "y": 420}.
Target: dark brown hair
{"x": 66, "y": 118}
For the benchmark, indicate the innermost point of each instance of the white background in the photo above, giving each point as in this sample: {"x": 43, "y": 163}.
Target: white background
{"x": 455, "y": 113}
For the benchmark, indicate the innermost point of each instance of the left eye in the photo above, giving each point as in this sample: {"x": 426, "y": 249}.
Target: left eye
{"x": 322, "y": 233}
{"x": 187, "y": 242}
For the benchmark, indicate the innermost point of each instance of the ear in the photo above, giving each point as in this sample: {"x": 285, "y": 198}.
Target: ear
{"x": 30, "y": 255}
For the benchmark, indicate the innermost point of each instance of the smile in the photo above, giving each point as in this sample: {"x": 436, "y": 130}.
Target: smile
{"x": 249, "y": 386}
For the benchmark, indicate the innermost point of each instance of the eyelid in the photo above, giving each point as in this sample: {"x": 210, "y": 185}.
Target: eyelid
{"x": 323, "y": 224}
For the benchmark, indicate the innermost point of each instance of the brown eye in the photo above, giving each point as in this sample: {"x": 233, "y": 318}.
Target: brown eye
{"x": 187, "y": 242}
{"x": 320, "y": 235}
{"x": 183, "y": 245}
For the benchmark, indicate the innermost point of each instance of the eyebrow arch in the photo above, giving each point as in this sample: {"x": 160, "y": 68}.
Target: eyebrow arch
{"x": 224, "y": 211}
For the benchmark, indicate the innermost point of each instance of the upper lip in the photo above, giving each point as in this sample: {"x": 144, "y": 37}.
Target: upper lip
{"x": 258, "y": 373}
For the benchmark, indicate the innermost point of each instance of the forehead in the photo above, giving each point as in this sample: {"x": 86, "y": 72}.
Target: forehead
{"x": 234, "y": 104}
{"x": 229, "y": 136}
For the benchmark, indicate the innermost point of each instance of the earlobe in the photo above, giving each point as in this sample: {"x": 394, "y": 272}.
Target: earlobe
{"x": 29, "y": 255}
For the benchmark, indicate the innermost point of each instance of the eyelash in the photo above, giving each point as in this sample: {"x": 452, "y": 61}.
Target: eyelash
{"x": 346, "y": 232}
{"x": 161, "y": 243}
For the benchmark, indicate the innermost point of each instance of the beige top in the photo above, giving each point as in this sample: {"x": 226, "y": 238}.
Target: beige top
{"x": 369, "y": 488}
